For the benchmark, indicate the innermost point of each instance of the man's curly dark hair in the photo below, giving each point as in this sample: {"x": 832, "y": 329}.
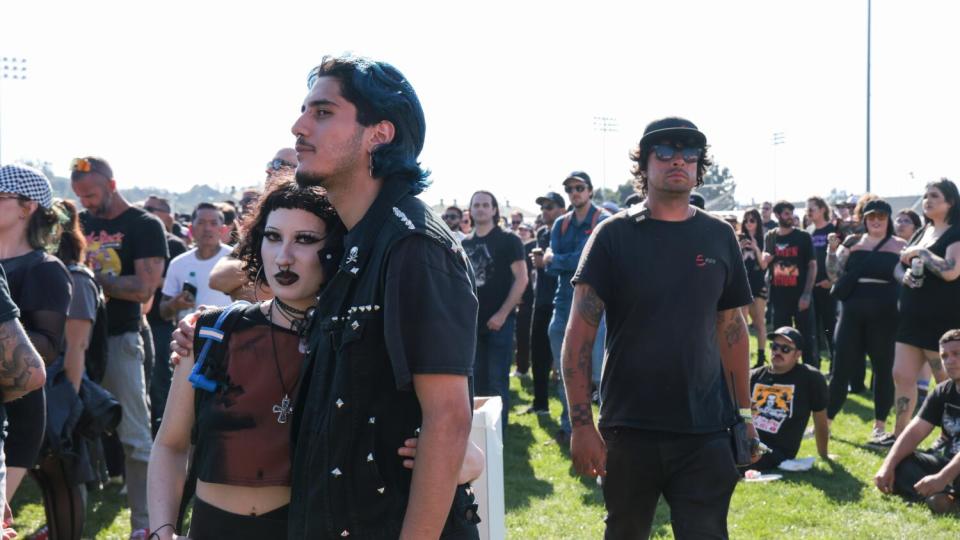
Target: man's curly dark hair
{"x": 641, "y": 154}
{"x": 288, "y": 195}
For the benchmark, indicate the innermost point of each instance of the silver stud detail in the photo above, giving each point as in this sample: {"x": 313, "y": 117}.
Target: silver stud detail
{"x": 380, "y": 490}
{"x": 417, "y": 432}
{"x": 370, "y": 457}
{"x": 345, "y": 533}
{"x": 372, "y": 420}
{"x": 355, "y": 325}
{"x": 376, "y": 308}
{"x": 336, "y": 473}
{"x": 354, "y": 270}
{"x": 335, "y": 318}
{"x": 339, "y": 403}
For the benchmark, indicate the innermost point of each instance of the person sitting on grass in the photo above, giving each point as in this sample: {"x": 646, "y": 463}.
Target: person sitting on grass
{"x": 930, "y": 476}
{"x": 784, "y": 394}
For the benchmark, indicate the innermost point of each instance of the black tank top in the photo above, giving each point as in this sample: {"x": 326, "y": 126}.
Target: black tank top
{"x": 878, "y": 266}
{"x": 936, "y": 300}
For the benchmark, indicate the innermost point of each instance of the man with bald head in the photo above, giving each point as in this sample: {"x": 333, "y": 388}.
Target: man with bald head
{"x": 283, "y": 165}
{"x": 126, "y": 248}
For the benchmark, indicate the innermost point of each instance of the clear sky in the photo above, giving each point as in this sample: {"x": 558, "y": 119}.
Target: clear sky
{"x": 179, "y": 93}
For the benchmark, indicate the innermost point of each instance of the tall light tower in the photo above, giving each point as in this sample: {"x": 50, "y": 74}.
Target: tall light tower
{"x": 778, "y": 139}
{"x": 604, "y": 124}
{"x": 11, "y": 69}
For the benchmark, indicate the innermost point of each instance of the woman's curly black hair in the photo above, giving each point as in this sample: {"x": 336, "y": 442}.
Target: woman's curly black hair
{"x": 288, "y": 195}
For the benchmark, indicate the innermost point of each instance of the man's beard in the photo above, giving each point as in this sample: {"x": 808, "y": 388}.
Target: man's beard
{"x": 785, "y": 222}
{"x": 307, "y": 179}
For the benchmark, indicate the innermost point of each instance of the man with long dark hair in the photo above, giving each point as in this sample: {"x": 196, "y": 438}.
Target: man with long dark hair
{"x": 671, "y": 280}
{"x": 391, "y": 340}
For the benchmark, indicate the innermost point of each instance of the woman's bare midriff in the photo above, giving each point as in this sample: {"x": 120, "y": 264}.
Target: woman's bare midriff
{"x": 242, "y": 499}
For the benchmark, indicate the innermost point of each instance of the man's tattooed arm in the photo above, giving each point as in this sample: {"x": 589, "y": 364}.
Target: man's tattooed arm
{"x": 577, "y": 352}
{"x": 21, "y": 368}
{"x": 734, "y": 344}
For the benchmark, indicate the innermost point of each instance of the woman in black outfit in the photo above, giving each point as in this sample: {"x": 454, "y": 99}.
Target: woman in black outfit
{"x": 40, "y": 286}
{"x": 928, "y": 303}
{"x": 868, "y": 317}
{"x": 751, "y": 245}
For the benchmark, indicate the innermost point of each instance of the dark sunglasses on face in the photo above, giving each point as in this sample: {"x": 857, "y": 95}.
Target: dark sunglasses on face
{"x": 278, "y": 164}
{"x": 666, "y": 152}
{"x": 154, "y": 210}
{"x": 450, "y": 217}
{"x": 786, "y": 349}
{"x": 749, "y": 220}
{"x": 547, "y": 207}
{"x": 579, "y": 188}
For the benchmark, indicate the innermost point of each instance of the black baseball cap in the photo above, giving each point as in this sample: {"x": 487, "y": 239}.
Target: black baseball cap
{"x": 675, "y": 129}
{"x": 697, "y": 200}
{"x": 552, "y": 197}
{"x": 581, "y": 176}
{"x": 877, "y": 205}
{"x": 788, "y": 332}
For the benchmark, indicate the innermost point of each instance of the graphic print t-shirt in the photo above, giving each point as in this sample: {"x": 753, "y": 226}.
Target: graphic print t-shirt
{"x": 112, "y": 246}
{"x": 784, "y": 403}
{"x": 788, "y": 270}
{"x": 942, "y": 408}
{"x": 819, "y": 239}
{"x": 491, "y": 257}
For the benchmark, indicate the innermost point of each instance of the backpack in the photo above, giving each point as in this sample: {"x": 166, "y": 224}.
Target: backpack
{"x": 96, "y": 357}
{"x": 565, "y": 221}
{"x": 207, "y": 377}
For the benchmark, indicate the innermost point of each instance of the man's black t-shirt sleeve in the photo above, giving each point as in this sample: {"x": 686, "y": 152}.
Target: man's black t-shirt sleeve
{"x": 932, "y": 410}
{"x": 736, "y": 290}
{"x": 150, "y": 239}
{"x": 430, "y": 311}
{"x": 808, "y": 253}
{"x": 516, "y": 248}
{"x": 818, "y": 391}
{"x": 596, "y": 264}
{"x": 8, "y": 310}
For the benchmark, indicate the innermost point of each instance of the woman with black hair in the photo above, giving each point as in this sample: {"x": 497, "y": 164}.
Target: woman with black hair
{"x": 751, "y": 245}
{"x": 40, "y": 286}
{"x": 868, "y": 314}
{"x": 930, "y": 297}
{"x": 241, "y": 431}
{"x": 906, "y": 224}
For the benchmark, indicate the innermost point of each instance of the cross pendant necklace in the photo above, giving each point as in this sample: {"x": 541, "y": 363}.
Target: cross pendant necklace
{"x": 283, "y": 410}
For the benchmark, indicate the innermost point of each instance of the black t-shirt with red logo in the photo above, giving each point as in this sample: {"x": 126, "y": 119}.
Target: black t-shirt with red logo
{"x": 662, "y": 284}
{"x": 788, "y": 270}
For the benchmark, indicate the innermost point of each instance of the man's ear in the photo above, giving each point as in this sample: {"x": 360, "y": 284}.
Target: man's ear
{"x": 381, "y": 133}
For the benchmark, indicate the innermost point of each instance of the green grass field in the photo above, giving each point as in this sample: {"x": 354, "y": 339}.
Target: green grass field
{"x": 545, "y": 500}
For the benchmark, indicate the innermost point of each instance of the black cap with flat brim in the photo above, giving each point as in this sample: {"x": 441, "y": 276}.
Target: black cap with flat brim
{"x": 788, "y": 332}
{"x": 674, "y": 129}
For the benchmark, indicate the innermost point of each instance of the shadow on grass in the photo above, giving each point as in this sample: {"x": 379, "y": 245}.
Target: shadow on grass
{"x": 837, "y": 483}
{"x": 519, "y": 481}
{"x": 863, "y": 412}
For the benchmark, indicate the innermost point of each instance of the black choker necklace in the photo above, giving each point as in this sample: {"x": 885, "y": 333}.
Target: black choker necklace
{"x": 287, "y": 309}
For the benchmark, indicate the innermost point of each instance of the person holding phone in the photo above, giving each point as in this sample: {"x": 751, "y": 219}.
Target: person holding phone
{"x": 187, "y": 283}
{"x": 751, "y": 247}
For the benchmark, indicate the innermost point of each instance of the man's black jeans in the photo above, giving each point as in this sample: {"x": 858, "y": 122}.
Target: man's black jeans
{"x": 806, "y": 323}
{"x": 540, "y": 356}
{"x": 695, "y": 474}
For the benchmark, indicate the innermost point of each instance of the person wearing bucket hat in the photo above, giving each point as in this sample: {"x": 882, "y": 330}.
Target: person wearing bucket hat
{"x": 785, "y": 394}
{"x": 656, "y": 263}
{"x": 41, "y": 286}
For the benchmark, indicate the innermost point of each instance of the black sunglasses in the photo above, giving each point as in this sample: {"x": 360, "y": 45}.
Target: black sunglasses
{"x": 786, "y": 349}
{"x": 450, "y": 216}
{"x": 547, "y": 207}
{"x": 153, "y": 210}
{"x": 278, "y": 164}
{"x": 579, "y": 188}
{"x": 666, "y": 152}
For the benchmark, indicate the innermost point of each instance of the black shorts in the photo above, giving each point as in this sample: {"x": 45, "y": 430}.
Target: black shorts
{"x": 923, "y": 332}
{"x": 27, "y": 419}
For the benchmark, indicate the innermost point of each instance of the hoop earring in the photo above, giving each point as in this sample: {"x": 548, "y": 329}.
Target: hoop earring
{"x": 256, "y": 284}
{"x": 370, "y": 162}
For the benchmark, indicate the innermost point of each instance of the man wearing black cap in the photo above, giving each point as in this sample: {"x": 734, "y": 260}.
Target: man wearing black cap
{"x": 672, "y": 282}
{"x": 551, "y": 207}
{"x": 567, "y": 239}
{"x": 784, "y": 394}
{"x": 792, "y": 266}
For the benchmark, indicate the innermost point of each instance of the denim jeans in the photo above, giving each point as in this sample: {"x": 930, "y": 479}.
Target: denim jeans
{"x": 558, "y": 328}
{"x": 491, "y": 369}
{"x": 162, "y": 372}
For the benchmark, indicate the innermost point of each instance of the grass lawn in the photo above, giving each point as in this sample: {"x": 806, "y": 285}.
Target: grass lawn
{"x": 545, "y": 500}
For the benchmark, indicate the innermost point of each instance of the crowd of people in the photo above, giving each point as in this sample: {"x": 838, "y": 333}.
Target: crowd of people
{"x": 302, "y": 394}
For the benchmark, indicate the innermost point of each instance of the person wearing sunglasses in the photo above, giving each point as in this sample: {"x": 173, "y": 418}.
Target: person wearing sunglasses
{"x": 672, "y": 283}
{"x": 281, "y": 167}
{"x": 751, "y": 246}
{"x": 567, "y": 239}
{"x": 785, "y": 394}
{"x": 453, "y": 216}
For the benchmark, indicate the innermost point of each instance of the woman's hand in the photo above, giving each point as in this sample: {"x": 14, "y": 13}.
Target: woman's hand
{"x": 910, "y": 281}
{"x": 909, "y": 253}
{"x": 182, "y": 343}
{"x": 471, "y": 469}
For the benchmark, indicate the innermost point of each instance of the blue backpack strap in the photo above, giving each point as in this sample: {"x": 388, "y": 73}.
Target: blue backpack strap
{"x": 211, "y": 334}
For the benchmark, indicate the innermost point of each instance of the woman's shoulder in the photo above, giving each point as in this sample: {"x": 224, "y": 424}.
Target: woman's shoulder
{"x": 49, "y": 267}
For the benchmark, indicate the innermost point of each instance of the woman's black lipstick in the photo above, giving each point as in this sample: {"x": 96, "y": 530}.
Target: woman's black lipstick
{"x": 286, "y": 277}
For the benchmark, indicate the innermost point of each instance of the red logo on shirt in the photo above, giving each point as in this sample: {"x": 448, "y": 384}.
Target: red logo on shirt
{"x": 701, "y": 262}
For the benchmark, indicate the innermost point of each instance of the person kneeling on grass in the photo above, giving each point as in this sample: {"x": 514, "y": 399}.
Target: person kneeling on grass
{"x": 930, "y": 476}
{"x": 784, "y": 394}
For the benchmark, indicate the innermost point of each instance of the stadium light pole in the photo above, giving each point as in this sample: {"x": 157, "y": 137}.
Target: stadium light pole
{"x": 778, "y": 139}
{"x": 11, "y": 69}
{"x": 604, "y": 124}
